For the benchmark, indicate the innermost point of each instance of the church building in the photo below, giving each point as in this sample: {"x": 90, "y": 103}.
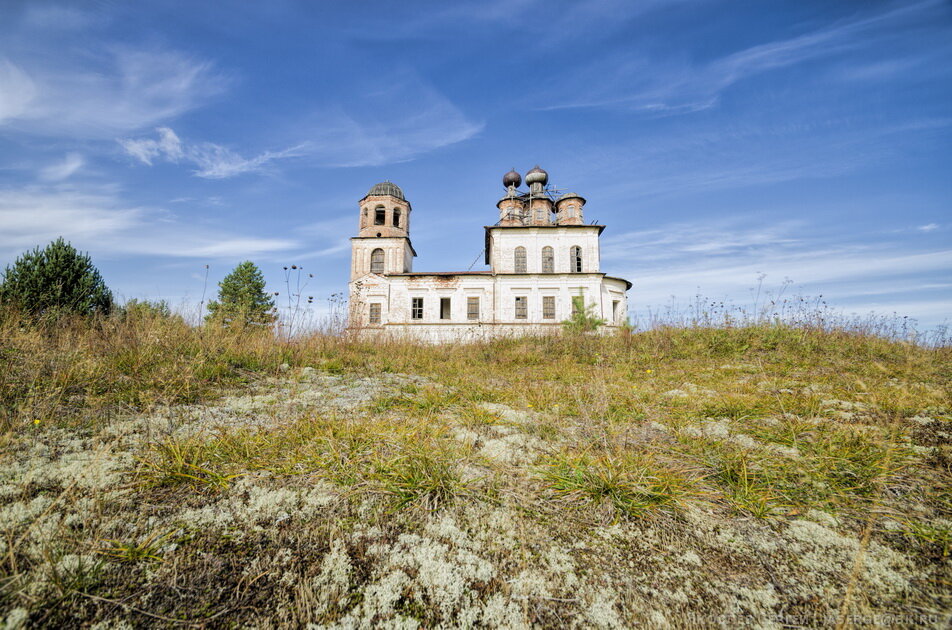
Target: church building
{"x": 543, "y": 266}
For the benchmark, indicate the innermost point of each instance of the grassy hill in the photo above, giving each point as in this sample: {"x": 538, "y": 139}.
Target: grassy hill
{"x": 158, "y": 474}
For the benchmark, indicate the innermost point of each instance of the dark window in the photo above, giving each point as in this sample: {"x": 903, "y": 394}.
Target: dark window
{"x": 548, "y": 307}
{"x": 519, "y": 260}
{"x": 416, "y": 308}
{"x": 376, "y": 261}
{"x": 446, "y": 311}
{"x": 380, "y": 216}
{"x": 575, "y": 259}
{"x": 548, "y": 260}
{"x": 375, "y": 313}
{"x": 396, "y": 217}
{"x": 472, "y": 308}
{"x": 522, "y": 310}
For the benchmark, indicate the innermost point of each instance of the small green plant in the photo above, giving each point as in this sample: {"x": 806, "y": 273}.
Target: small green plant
{"x": 242, "y": 300}
{"x": 147, "y": 549}
{"x": 419, "y": 477}
{"x": 584, "y": 318}
{"x": 632, "y": 484}
{"x": 55, "y": 279}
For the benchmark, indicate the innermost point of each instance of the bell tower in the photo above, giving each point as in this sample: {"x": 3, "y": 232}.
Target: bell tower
{"x": 382, "y": 244}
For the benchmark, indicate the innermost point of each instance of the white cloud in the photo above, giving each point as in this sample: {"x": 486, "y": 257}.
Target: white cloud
{"x": 213, "y": 161}
{"x": 721, "y": 260}
{"x": 98, "y": 220}
{"x": 668, "y": 86}
{"x": 117, "y": 91}
{"x": 928, "y": 227}
{"x": 64, "y": 169}
{"x": 389, "y": 124}
{"x": 17, "y": 91}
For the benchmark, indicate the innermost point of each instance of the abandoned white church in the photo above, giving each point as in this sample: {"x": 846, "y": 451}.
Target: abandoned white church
{"x": 543, "y": 265}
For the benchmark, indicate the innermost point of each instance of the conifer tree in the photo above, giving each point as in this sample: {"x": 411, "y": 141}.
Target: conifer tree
{"x": 242, "y": 299}
{"x": 54, "y": 279}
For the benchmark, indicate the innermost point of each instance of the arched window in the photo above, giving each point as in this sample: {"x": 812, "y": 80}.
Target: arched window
{"x": 548, "y": 260}
{"x": 396, "y": 217}
{"x": 575, "y": 259}
{"x": 376, "y": 261}
{"x": 380, "y": 216}
{"x": 520, "y": 260}
{"x": 570, "y": 211}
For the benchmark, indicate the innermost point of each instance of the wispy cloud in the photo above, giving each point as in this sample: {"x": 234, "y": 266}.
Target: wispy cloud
{"x": 929, "y": 227}
{"x": 633, "y": 80}
{"x": 213, "y": 161}
{"x": 392, "y": 123}
{"x": 17, "y": 91}
{"x": 95, "y": 96}
{"x": 64, "y": 169}
{"x": 723, "y": 260}
{"x": 97, "y": 219}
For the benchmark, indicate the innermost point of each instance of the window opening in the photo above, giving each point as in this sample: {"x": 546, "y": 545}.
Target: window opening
{"x": 416, "y": 308}
{"x": 445, "y": 309}
{"x": 548, "y": 260}
{"x": 522, "y": 310}
{"x": 548, "y": 307}
{"x": 472, "y": 308}
{"x": 375, "y": 313}
{"x": 520, "y": 259}
{"x": 376, "y": 261}
{"x": 576, "y": 259}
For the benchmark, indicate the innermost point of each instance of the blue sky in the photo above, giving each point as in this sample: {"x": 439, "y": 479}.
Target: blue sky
{"x": 718, "y": 141}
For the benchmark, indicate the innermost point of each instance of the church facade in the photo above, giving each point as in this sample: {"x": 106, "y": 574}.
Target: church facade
{"x": 544, "y": 265}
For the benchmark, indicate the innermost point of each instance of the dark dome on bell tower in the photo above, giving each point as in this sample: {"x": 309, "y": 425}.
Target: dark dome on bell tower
{"x": 512, "y": 178}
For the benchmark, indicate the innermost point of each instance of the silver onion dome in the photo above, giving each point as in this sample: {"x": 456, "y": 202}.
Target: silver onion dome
{"x": 537, "y": 176}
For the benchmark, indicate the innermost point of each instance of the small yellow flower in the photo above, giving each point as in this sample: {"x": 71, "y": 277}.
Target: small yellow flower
{"x": 648, "y": 371}
{"x": 36, "y": 420}
{"x": 528, "y": 404}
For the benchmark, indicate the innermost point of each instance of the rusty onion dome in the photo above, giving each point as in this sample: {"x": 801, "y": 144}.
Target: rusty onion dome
{"x": 512, "y": 178}
{"x": 537, "y": 175}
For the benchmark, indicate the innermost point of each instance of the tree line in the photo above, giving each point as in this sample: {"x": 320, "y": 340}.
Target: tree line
{"x": 59, "y": 280}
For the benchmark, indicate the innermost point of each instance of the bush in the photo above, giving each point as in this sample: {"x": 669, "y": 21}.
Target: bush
{"x": 242, "y": 299}
{"x": 583, "y": 318}
{"x": 146, "y": 309}
{"x": 55, "y": 279}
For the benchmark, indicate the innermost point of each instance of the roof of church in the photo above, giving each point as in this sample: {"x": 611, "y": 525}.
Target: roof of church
{"x": 386, "y": 188}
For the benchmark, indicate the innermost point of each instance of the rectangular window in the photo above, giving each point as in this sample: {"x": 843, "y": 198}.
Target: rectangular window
{"x": 375, "y": 313}
{"x": 616, "y": 316}
{"x": 548, "y": 307}
{"x": 445, "y": 310}
{"x": 522, "y": 307}
{"x": 416, "y": 308}
{"x": 472, "y": 308}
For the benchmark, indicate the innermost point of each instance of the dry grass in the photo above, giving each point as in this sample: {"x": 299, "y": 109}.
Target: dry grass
{"x": 155, "y": 473}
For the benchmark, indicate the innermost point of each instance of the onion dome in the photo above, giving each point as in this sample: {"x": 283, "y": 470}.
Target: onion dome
{"x": 512, "y": 178}
{"x": 386, "y": 188}
{"x": 537, "y": 176}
